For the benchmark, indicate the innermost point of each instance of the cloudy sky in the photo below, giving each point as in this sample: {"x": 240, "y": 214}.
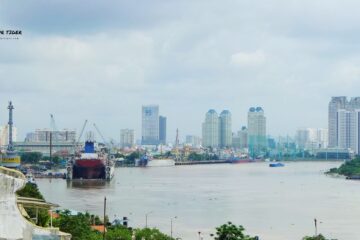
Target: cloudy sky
{"x": 101, "y": 60}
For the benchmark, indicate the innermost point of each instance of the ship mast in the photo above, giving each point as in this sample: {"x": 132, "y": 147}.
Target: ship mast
{"x": 11, "y": 144}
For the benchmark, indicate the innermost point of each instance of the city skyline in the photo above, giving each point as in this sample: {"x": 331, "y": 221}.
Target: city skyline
{"x": 107, "y": 65}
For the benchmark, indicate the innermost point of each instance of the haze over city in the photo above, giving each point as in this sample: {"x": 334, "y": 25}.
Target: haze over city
{"x": 104, "y": 62}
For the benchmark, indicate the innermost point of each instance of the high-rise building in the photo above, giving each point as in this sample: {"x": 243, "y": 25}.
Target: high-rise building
{"x": 127, "y": 138}
{"x": 225, "y": 135}
{"x": 150, "y": 125}
{"x": 256, "y": 130}
{"x": 243, "y": 135}
{"x": 210, "y": 129}
{"x": 162, "y": 130}
{"x": 343, "y": 119}
{"x": 335, "y": 105}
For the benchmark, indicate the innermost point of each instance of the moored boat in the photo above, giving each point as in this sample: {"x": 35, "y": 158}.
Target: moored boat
{"x": 90, "y": 164}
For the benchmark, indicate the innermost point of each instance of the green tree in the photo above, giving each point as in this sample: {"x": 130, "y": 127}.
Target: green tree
{"x": 30, "y": 157}
{"x": 77, "y": 225}
{"x": 318, "y": 237}
{"x": 32, "y": 191}
{"x": 229, "y": 231}
{"x": 151, "y": 233}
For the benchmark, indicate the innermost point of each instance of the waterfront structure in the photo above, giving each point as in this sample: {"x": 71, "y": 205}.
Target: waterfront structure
{"x": 256, "y": 131}
{"x": 4, "y": 135}
{"x": 210, "y": 129}
{"x": 162, "y": 130}
{"x": 150, "y": 125}
{"x": 14, "y": 225}
{"x": 127, "y": 138}
{"x": 43, "y": 135}
{"x": 225, "y": 135}
{"x": 343, "y": 123}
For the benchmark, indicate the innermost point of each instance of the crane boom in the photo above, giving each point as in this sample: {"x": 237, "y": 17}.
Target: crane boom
{"x": 97, "y": 129}
{"x": 82, "y": 131}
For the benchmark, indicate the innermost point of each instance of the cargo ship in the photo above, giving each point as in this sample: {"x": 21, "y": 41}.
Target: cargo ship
{"x": 90, "y": 164}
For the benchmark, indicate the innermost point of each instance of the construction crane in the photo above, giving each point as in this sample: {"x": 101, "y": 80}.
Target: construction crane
{"x": 52, "y": 123}
{"x": 98, "y": 131}
{"x": 82, "y": 131}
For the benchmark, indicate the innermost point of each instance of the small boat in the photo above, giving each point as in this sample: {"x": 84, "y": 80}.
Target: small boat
{"x": 276, "y": 164}
{"x": 30, "y": 178}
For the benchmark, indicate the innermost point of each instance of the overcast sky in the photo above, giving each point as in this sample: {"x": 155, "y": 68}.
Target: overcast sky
{"x": 101, "y": 60}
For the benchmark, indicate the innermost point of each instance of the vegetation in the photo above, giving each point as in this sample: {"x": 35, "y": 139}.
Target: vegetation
{"x": 318, "y": 237}
{"x": 349, "y": 168}
{"x": 32, "y": 191}
{"x": 30, "y": 157}
{"x": 229, "y": 231}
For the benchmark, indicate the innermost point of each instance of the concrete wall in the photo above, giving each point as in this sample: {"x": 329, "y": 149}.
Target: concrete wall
{"x": 13, "y": 226}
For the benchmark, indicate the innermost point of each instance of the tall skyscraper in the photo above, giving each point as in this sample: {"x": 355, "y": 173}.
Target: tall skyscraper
{"x": 225, "y": 135}
{"x": 335, "y": 104}
{"x": 256, "y": 130}
{"x": 210, "y": 129}
{"x": 150, "y": 125}
{"x": 127, "y": 138}
{"x": 343, "y": 123}
{"x": 162, "y": 130}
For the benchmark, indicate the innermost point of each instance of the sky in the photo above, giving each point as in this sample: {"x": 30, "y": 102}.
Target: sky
{"x": 102, "y": 60}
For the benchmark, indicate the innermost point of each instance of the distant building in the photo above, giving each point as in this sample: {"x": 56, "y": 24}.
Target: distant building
{"x": 239, "y": 140}
{"x": 311, "y": 138}
{"x": 4, "y": 135}
{"x": 43, "y": 135}
{"x": 127, "y": 138}
{"x": 243, "y": 135}
{"x": 340, "y": 109}
{"x": 193, "y": 141}
{"x": 150, "y": 125}
{"x": 256, "y": 130}
{"x": 344, "y": 123}
{"x": 162, "y": 130}
{"x": 210, "y": 129}
{"x": 225, "y": 135}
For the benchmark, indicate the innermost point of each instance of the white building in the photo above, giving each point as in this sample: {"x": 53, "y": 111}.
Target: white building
{"x": 43, "y": 135}
{"x": 256, "y": 130}
{"x": 340, "y": 111}
{"x": 4, "y": 135}
{"x": 193, "y": 141}
{"x": 127, "y": 138}
{"x": 210, "y": 129}
{"x": 311, "y": 138}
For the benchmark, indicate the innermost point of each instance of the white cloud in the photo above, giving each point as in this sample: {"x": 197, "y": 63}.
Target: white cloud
{"x": 248, "y": 59}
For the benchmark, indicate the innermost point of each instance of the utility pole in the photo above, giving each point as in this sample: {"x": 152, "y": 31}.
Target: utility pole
{"x": 104, "y": 233}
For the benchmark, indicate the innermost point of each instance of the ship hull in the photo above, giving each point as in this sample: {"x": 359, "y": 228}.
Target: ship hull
{"x": 89, "y": 169}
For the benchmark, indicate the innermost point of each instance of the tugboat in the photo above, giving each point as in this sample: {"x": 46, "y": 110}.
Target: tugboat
{"x": 276, "y": 164}
{"x": 90, "y": 164}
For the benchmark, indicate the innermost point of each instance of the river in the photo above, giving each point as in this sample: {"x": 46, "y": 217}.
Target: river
{"x": 272, "y": 203}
